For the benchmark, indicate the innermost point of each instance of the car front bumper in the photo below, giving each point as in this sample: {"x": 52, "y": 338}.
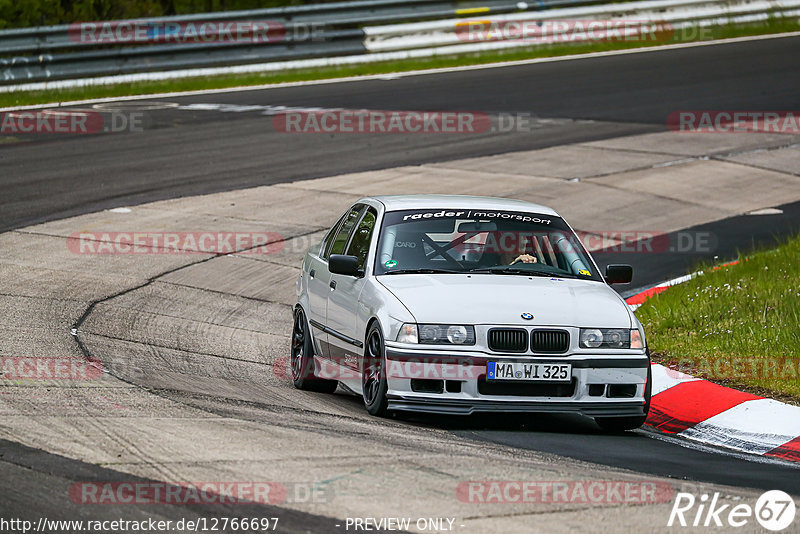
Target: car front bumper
{"x": 455, "y": 383}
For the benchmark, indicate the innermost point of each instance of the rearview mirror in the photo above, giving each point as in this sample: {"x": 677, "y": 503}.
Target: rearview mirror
{"x": 479, "y": 226}
{"x": 619, "y": 274}
{"x": 346, "y": 265}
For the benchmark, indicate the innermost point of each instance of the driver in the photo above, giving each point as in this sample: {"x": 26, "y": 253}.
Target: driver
{"x": 524, "y": 258}
{"x": 518, "y": 254}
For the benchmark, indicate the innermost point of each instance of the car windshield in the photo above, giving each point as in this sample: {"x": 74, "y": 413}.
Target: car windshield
{"x": 481, "y": 242}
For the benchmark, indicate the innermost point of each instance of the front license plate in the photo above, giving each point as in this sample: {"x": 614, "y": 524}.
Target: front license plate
{"x": 531, "y": 372}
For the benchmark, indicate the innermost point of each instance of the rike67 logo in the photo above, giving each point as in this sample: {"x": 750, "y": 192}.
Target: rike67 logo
{"x": 774, "y": 510}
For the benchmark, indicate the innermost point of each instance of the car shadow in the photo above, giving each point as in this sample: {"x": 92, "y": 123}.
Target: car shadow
{"x": 544, "y": 423}
{"x": 509, "y": 422}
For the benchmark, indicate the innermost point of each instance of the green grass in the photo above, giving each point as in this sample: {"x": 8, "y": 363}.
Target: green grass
{"x": 736, "y": 325}
{"x": 774, "y": 25}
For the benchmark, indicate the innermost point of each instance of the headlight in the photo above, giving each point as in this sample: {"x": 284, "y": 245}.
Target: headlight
{"x": 591, "y": 338}
{"x": 437, "y": 334}
{"x": 446, "y": 334}
{"x": 408, "y": 333}
{"x": 610, "y": 338}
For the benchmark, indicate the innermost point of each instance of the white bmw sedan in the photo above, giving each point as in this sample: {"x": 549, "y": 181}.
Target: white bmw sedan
{"x": 456, "y": 305}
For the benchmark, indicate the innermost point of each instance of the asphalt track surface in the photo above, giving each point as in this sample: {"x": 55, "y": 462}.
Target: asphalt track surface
{"x": 38, "y": 474}
{"x": 183, "y": 153}
{"x": 731, "y": 236}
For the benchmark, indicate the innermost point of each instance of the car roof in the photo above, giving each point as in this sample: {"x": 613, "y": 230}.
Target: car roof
{"x": 410, "y": 202}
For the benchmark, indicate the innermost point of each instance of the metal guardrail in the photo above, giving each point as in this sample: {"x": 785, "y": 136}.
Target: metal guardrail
{"x": 46, "y": 39}
{"x": 53, "y": 53}
{"x": 652, "y": 14}
{"x": 345, "y": 33}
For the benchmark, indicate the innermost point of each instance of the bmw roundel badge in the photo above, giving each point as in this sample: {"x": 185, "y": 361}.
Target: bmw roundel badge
{"x": 527, "y": 316}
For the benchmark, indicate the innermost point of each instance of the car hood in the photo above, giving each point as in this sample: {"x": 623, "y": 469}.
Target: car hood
{"x": 501, "y": 299}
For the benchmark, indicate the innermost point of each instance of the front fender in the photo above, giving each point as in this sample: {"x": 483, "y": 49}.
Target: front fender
{"x": 377, "y": 302}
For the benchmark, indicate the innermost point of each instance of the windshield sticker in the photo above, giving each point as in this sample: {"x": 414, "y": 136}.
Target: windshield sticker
{"x": 437, "y": 215}
{"x": 584, "y": 272}
{"x": 472, "y": 214}
{"x": 507, "y": 216}
{"x": 389, "y": 264}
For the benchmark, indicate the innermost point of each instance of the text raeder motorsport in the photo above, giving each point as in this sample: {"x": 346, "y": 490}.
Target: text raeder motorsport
{"x": 470, "y": 214}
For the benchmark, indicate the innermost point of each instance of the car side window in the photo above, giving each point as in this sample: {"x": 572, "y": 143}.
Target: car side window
{"x": 339, "y": 242}
{"x": 359, "y": 244}
{"x": 327, "y": 241}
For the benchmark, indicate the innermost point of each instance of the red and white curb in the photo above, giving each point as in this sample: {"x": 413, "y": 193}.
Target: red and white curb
{"x": 711, "y": 414}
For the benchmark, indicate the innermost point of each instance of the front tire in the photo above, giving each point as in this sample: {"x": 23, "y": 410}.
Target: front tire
{"x": 302, "y": 358}
{"x": 373, "y": 373}
{"x": 620, "y": 424}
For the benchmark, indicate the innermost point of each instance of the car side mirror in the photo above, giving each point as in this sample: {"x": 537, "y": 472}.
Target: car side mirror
{"x": 619, "y": 274}
{"x": 346, "y": 265}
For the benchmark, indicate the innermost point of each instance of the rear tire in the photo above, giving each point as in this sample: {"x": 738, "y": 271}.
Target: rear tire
{"x": 302, "y": 358}
{"x": 620, "y": 424}
{"x": 373, "y": 373}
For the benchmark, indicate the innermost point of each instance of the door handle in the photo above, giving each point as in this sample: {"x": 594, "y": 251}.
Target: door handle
{"x": 332, "y": 284}
{"x": 311, "y": 273}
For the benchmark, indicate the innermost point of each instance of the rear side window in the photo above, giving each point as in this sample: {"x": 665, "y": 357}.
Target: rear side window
{"x": 339, "y": 242}
{"x": 359, "y": 244}
{"x": 328, "y": 239}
